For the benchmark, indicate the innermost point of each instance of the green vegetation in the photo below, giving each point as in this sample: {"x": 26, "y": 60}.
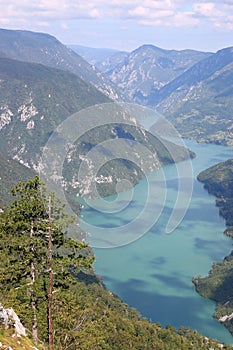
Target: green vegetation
{"x": 11, "y": 172}
{"x": 8, "y": 340}
{"x": 36, "y": 99}
{"x": 130, "y": 167}
{"x": 218, "y": 181}
{"x": 85, "y": 314}
{"x": 217, "y": 285}
{"x": 47, "y": 50}
{"x": 199, "y": 101}
{"x": 35, "y": 255}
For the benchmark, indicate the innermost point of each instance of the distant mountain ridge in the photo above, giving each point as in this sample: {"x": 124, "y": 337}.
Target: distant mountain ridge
{"x": 148, "y": 68}
{"x": 197, "y": 73}
{"x": 93, "y": 55}
{"x": 199, "y": 102}
{"x": 193, "y": 89}
{"x": 45, "y": 49}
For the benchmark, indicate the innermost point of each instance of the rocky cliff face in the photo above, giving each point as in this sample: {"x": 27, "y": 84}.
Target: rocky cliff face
{"x": 13, "y": 334}
{"x": 9, "y": 319}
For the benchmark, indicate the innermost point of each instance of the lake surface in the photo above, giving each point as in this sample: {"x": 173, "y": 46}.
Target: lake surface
{"x": 154, "y": 272}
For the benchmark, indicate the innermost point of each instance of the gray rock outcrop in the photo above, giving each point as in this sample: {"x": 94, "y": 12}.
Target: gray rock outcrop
{"x": 8, "y": 318}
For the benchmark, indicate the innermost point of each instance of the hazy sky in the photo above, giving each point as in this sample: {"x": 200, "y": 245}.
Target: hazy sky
{"x": 126, "y": 24}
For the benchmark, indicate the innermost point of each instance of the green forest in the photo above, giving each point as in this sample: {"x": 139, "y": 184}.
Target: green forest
{"x": 49, "y": 280}
{"x": 217, "y": 286}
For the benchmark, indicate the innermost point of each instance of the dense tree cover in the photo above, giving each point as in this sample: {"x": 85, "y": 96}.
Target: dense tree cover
{"x": 217, "y": 286}
{"x": 85, "y": 314}
{"x": 11, "y": 172}
{"x": 218, "y": 180}
{"x": 24, "y": 250}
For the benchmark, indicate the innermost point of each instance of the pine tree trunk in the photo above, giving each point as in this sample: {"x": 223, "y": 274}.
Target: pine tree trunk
{"x": 33, "y": 299}
{"x": 34, "y": 321}
{"x": 50, "y": 296}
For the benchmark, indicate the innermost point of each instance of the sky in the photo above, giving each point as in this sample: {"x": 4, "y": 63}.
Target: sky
{"x": 126, "y": 24}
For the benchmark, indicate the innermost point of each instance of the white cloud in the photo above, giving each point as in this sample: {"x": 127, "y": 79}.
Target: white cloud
{"x": 218, "y": 14}
{"x": 148, "y": 12}
{"x": 208, "y": 9}
{"x": 143, "y": 12}
{"x": 179, "y": 19}
{"x": 64, "y": 25}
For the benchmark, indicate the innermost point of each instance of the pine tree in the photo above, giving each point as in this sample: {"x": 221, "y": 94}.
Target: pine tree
{"x": 33, "y": 249}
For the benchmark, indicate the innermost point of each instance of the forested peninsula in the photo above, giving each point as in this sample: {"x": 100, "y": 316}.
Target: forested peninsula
{"x": 218, "y": 285}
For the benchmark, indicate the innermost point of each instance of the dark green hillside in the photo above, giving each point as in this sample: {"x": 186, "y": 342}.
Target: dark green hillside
{"x": 35, "y": 99}
{"x": 90, "y": 317}
{"x": 45, "y": 49}
{"x": 122, "y": 168}
{"x": 11, "y": 172}
{"x": 218, "y": 285}
{"x": 218, "y": 180}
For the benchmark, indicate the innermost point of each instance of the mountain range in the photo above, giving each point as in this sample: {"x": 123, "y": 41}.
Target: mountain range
{"x": 45, "y": 49}
{"x": 191, "y": 89}
{"x": 94, "y": 56}
{"x": 36, "y": 98}
{"x": 145, "y": 69}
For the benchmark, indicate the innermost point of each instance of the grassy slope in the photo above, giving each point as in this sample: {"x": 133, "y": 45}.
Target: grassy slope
{"x": 9, "y": 341}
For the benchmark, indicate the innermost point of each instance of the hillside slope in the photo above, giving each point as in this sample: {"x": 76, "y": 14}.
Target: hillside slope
{"x": 199, "y": 102}
{"x": 148, "y": 68}
{"x": 11, "y": 172}
{"x": 35, "y": 99}
{"x": 46, "y": 49}
{"x": 218, "y": 180}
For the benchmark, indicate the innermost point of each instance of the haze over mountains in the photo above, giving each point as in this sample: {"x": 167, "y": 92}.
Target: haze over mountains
{"x": 192, "y": 89}
{"x": 46, "y": 49}
{"x": 92, "y": 55}
{"x": 143, "y": 70}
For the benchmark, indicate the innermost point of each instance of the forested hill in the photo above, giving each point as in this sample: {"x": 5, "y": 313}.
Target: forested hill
{"x": 218, "y": 180}
{"x": 35, "y": 99}
{"x": 218, "y": 284}
{"x": 85, "y": 314}
{"x": 45, "y": 49}
{"x": 11, "y": 171}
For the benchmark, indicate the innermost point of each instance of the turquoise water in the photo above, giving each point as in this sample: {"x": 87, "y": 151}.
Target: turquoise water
{"x": 153, "y": 272}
